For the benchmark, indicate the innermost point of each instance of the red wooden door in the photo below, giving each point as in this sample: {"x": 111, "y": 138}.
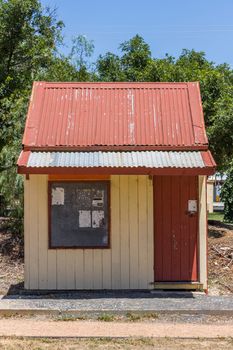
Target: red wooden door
{"x": 175, "y": 229}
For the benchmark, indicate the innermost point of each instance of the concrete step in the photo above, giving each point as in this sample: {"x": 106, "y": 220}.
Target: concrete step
{"x": 178, "y": 285}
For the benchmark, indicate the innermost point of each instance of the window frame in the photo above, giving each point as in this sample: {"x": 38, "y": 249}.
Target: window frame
{"x": 49, "y": 198}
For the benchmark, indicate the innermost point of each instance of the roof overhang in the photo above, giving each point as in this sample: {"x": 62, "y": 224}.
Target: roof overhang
{"x": 130, "y": 162}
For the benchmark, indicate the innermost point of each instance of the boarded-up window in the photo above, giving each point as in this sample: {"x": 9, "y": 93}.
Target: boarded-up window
{"x": 79, "y": 214}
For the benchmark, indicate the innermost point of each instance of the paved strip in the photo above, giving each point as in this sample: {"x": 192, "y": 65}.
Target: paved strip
{"x": 38, "y": 328}
{"x": 119, "y": 302}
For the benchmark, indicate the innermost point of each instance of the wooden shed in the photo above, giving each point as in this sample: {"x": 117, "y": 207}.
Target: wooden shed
{"x": 115, "y": 186}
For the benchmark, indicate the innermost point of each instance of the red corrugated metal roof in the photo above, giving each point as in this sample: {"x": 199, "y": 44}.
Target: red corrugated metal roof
{"x": 115, "y": 116}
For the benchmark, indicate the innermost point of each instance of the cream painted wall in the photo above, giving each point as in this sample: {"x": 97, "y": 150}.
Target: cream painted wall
{"x": 129, "y": 262}
{"x": 127, "y": 265}
{"x": 210, "y": 196}
{"x": 202, "y": 232}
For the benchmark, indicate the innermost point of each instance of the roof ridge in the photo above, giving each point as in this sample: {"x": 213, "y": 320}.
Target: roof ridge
{"x": 115, "y": 82}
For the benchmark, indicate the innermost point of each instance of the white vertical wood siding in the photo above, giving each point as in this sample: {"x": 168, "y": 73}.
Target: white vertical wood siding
{"x": 210, "y": 196}
{"x": 202, "y": 232}
{"x": 128, "y": 264}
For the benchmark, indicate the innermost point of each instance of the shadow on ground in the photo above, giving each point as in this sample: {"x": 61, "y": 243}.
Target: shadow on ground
{"x": 220, "y": 224}
{"x": 17, "y": 291}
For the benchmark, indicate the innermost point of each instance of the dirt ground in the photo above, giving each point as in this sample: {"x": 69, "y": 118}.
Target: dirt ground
{"x": 11, "y": 260}
{"x": 134, "y": 331}
{"x": 39, "y": 332}
{"x": 114, "y": 344}
{"x": 220, "y": 250}
{"x": 220, "y": 258}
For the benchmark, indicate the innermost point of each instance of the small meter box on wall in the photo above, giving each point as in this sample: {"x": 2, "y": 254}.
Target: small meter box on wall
{"x": 192, "y": 206}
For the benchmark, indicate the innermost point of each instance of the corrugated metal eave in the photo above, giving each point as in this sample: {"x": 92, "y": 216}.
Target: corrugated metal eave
{"x": 134, "y": 159}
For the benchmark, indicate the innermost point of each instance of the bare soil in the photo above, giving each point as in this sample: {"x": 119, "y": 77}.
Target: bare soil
{"x": 220, "y": 258}
{"x": 220, "y": 262}
{"x": 46, "y": 328}
{"x": 11, "y": 259}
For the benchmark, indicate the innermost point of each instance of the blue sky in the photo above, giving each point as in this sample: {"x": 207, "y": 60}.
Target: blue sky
{"x": 167, "y": 25}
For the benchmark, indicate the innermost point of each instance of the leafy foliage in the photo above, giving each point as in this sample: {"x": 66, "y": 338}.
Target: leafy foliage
{"x": 11, "y": 184}
{"x": 135, "y": 59}
{"x": 220, "y": 131}
{"x": 132, "y": 64}
{"x": 109, "y": 68}
{"x": 81, "y": 51}
{"x": 227, "y": 196}
{"x": 28, "y": 39}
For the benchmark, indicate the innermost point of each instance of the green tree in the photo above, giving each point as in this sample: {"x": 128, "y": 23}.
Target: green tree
{"x": 61, "y": 69}
{"x": 28, "y": 39}
{"x": 220, "y": 130}
{"x": 75, "y": 66}
{"x": 109, "y": 68}
{"x": 136, "y": 56}
{"x": 82, "y": 50}
{"x": 29, "y": 36}
{"x": 227, "y": 195}
{"x": 132, "y": 65}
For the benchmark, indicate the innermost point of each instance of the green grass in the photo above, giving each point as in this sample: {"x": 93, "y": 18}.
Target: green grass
{"x": 106, "y": 318}
{"x": 141, "y": 317}
{"x": 65, "y": 317}
{"x": 133, "y": 317}
{"x": 218, "y": 216}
